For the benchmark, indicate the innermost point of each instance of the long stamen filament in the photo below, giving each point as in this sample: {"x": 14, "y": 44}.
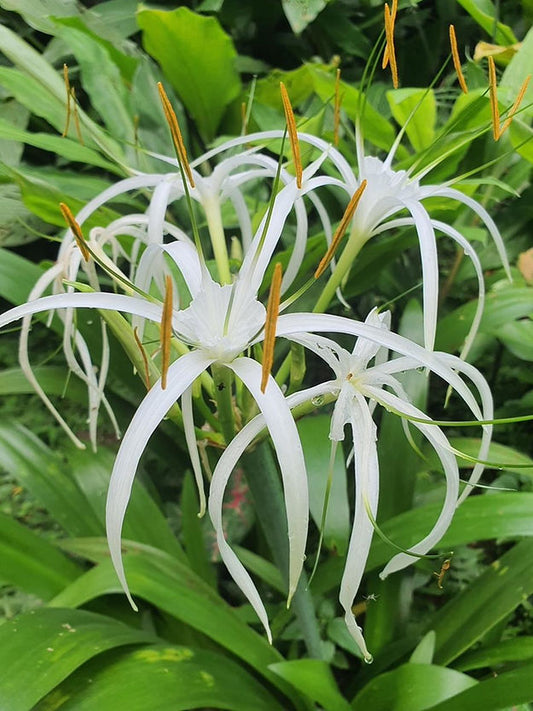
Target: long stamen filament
{"x": 76, "y": 230}
{"x": 341, "y": 229}
{"x": 456, "y": 60}
{"x": 270, "y": 326}
{"x": 293, "y": 134}
{"x": 143, "y": 356}
{"x": 166, "y": 331}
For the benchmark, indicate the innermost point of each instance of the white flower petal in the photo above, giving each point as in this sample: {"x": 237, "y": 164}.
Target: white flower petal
{"x": 284, "y": 435}
{"x": 192, "y": 446}
{"x": 149, "y": 414}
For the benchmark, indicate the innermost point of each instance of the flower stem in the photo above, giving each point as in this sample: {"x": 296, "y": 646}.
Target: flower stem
{"x": 343, "y": 266}
{"x": 218, "y": 239}
{"x": 223, "y": 394}
{"x": 264, "y": 482}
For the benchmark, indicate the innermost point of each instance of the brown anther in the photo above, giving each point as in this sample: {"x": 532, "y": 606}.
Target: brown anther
{"x": 493, "y": 93}
{"x": 143, "y": 356}
{"x": 349, "y": 376}
{"x": 514, "y": 107}
{"x": 341, "y": 229}
{"x": 270, "y": 325}
{"x": 293, "y": 134}
{"x": 175, "y": 132}
{"x": 243, "y": 118}
{"x": 76, "y": 230}
{"x": 457, "y": 61}
{"x": 166, "y": 331}
{"x": 337, "y": 108}
{"x": 389, "y": 54}
{"x": 67, "y": 88}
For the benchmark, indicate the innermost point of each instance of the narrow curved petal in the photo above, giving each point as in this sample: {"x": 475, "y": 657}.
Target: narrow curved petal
{"x": 440, "y": 444}
{"x": 190, "y": 438}
{"x": 99, "y": 300}
{"x": 149, "y": 414}
{"x": 366, "y": 494}
{"x": 223, "y": 470}
{"x": 286, "y": 441}
{"x": 186, "y": 258}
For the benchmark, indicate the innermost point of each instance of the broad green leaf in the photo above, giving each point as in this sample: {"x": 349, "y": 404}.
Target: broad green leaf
{"x": 500, "y": 456}
{"x": 17, "y": 276}
{"x": 416, "y": 109}
{"x": 17, "y": 224}
{"x": 42, "y": 471}
{"x": 518, "y": 649}
{"x": 501, "y": 306}
{"x": 53, "y": 379}
{"x": 517, "y": 336}
{"x": 161, "y": 677}
{"x": 501, "y": 693}
{"x": 15, "y": 115}
{"x": 425, "y": 649}
{"x": 484, "y": 13}
{"x": 411, "y": 687}
{"x": 144, "y": 521}
{"x": 176, "y": 589}
{"x": 479, "y": 518}
{"x": 32, "y": 564}
{"x": 314, "y": 435}
{"x": 261, "y": 567}
{"x": 313, "y": 677}
{"x": 41, "y": 648}
{"x": 198, "y": 58}
{"x": 490, "y": 598}
{"x": 301, "y": 13}
{"x": 518, "y": 69}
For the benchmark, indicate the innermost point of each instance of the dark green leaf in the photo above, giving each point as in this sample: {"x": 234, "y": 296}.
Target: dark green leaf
{"x": 41, "y": 648}
{"x": 313, "y": 678}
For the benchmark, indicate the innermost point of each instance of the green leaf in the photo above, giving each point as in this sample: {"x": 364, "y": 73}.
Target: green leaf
{"x": 301, "y": 13}
{"x": 484, "y": 13}
{"x": 425, "y": 649}
{"x": 500, "y": 456}
{"x": 64, "y": 147}
{"x": 176, "y": 589}
{"x": 411, "y": 687}
{"x": 314, "y": 678}
{"x": 161, "y": 677}
{"x": 17, "y": 224}
{"x": 198, "y": 58}
{"x": 416, "y": 109}
{"x": 41, "y": 471}
{"x": 41, "y": 648}
{"x": 193, "y": 532}
{"x": 479, "y": 518}
{"x": 314, "y": 436}
{"x": 490, "y": 598}
{"x": 518, "y": 649}
{"x": 518, "y": 69}
{"x": 498, "y": 694}
{"x": 144, "y": 521}
{"x": 29, "y": 562}
{"x": 517, "y": 336}
{"x": 53, "y": 379}
{"x": 17, "y": 276}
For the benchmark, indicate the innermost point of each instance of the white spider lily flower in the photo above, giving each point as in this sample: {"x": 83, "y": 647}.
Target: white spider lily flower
{"x": 363, "y": 379}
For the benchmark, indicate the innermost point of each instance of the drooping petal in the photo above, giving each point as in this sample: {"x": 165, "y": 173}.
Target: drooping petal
{"x": 440, "y": 444}
{"x": 286, "y": 441}
{"x": 366, "y": 494}
{"x": 190, "y": 438}
{"x": 225, "y": 466}
{"x": 148, "y": 415}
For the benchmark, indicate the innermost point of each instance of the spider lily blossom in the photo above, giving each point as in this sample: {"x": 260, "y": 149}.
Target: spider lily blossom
{"x": 363, "y": 379}
{"x": 148, "y": 232}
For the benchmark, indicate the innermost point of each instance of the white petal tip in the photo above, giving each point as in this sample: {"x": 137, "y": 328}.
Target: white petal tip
{"x": 133, "y": 605}
{"x": 368, "y": 658}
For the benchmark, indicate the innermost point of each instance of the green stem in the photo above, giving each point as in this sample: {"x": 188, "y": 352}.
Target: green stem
{"x": 218, "y": 239}
{"x": 263, "y": 478}
{"x": 343, "y": 266}
{"x": 223, "y": 395}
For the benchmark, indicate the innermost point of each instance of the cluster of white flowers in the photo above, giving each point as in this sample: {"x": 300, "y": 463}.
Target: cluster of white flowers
{"x": 224, "y": 318}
